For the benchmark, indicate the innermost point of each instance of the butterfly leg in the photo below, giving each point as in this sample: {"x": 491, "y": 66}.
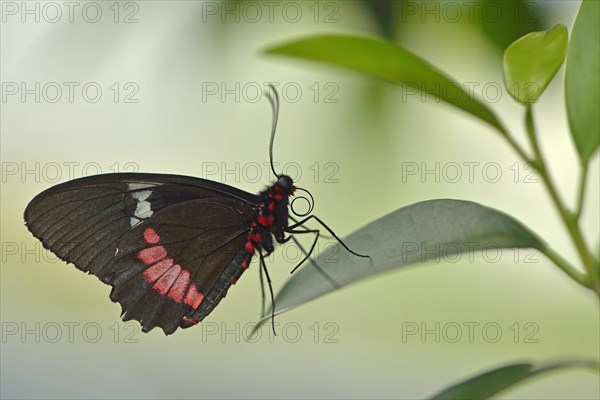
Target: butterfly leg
{"x": 324, "y": 225}
{"x": 312, "y": 246}
{"x": 306, "y": 229}
{"x": 262, "y": 292}
{"x": 332, "y": 281}
{"x": 264, "y": 267}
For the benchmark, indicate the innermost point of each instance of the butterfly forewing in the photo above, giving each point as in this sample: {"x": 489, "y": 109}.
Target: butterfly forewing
{"x": 164, "y": 242}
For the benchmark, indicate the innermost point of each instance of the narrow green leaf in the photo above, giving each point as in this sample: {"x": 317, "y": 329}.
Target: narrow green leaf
{"x": 531, "y": 62}
{"x": 490, "y": 383}
{"x": 384, "y": 60}
{"x": 582, "y": 81}
{"x": 434, "y": 230}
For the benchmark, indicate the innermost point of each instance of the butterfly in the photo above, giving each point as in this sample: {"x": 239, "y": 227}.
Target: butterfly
{"x": 170, "y": 246}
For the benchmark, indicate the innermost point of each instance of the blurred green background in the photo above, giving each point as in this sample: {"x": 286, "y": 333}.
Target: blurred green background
{"x": 350, "y": 139}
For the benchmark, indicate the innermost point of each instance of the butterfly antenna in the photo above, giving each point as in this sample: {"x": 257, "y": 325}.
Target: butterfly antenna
{"x": 274, "y": 100}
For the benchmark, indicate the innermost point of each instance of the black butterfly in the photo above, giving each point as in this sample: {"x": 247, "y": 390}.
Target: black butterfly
{"x": 170, "y": 246}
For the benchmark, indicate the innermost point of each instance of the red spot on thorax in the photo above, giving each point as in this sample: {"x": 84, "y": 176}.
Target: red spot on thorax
{"x": 249, "y": 247}
{"x": 254, "y": 237}
{"x": 153, "y": 254}
{"x": 151, "y": 236}
{"x": 180, "y": 286}
{"x": 271, "y": 206}
{"x": 267, "y": 221}
{"x": 157, "y": 270}
{"x": 165, "y": 282}
{"x": 275, "y": 196}
{"x": 193, "y": 297}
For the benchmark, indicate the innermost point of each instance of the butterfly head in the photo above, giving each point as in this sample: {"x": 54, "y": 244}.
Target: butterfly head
{"x": 286, "y": 184}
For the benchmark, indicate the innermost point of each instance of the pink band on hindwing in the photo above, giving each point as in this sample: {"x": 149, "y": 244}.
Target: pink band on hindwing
{"x": 168, "y": 278}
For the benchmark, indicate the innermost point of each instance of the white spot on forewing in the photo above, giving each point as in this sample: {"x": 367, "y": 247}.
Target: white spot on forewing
{"x": 138, "y": 186}
{"x": 142, "y": 208}
{"x": 141, "y": 195}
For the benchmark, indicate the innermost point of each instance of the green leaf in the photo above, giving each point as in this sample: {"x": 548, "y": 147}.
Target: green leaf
{"x": 490, "y": 383}
{"x": 503, "y": 22}
{"x": 531, "y": 62}
{"x": 384, "y": 60}
{"x": 582, "y": 81}
{"x": 434, "y": 230}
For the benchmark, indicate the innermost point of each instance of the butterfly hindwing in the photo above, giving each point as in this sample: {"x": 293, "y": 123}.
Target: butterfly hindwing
{"x": 125, "y": 229}
{"x": 168, "y": 264}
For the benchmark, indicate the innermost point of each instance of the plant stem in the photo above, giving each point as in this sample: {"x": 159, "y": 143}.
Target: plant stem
{"x": 567, "y": 268}
{"x": 514, "y": 145}
{"x": 568, "y": 218}
{"x": 581, "y": 191}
